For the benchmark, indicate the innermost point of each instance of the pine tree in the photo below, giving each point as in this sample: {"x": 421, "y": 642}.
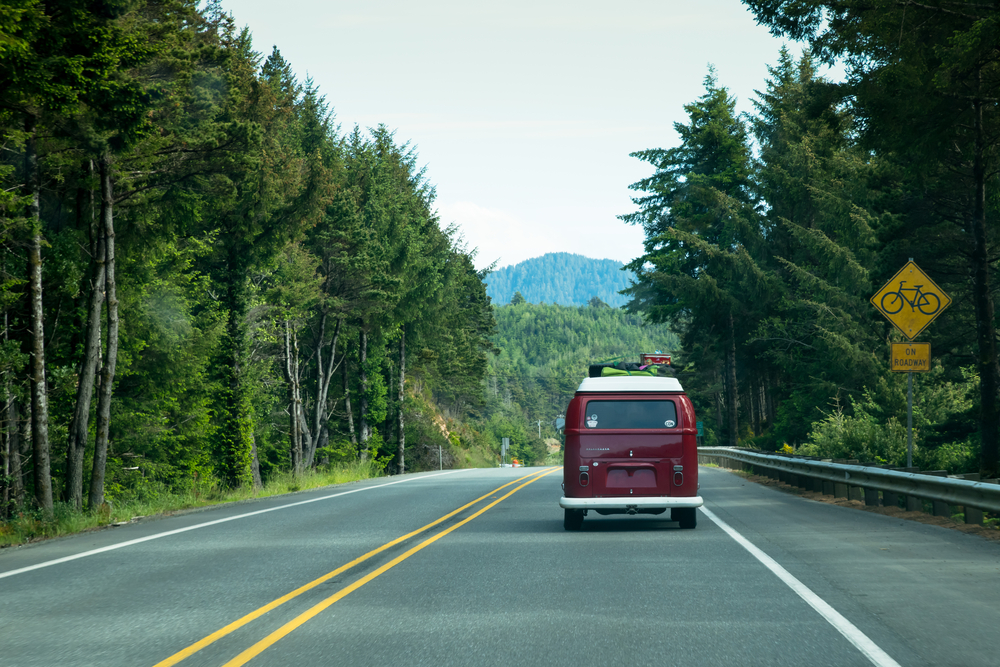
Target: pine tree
{"x": 923, "y": 79}
{"x": 700, "y": 223}
{"x": 820, "y": 337}
{"x": 276, "y": 190}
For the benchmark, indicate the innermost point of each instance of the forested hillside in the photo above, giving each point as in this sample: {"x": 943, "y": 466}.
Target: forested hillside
{"x": 543, "y": 353}
{"x": 560, "y": 277}
{"x": 203, "y": 280}
{"x": 205, "y": 283}
{"x": 764, "y": 261}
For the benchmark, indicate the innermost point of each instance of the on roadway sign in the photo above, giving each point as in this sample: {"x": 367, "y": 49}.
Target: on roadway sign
{"x": 910, "y": 357}
{"x": 701, "y": 428}
{"x": 911, "y": 300}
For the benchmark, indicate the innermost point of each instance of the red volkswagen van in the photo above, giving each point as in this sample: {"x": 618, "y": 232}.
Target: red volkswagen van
{"x": 631, "y": 448}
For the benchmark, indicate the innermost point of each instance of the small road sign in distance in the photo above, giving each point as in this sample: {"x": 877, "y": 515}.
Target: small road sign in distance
{"x": 910, "y": 357}
{"x": 911, "y": 300}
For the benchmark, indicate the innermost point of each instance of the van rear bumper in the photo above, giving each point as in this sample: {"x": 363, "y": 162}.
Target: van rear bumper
{"x": 627, "y": 502}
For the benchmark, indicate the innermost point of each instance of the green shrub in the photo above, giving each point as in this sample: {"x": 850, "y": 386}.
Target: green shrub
{"x": 861, "y": 437}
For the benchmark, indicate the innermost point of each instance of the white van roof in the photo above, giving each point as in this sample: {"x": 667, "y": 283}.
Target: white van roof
{"x": 617, "y": 383}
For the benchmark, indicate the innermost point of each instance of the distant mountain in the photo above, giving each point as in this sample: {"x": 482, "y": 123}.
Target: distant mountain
{"x": 560, "y": 277}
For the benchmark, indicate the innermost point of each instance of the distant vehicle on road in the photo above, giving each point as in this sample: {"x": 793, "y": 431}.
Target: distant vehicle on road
{"x": 631, "y": 448}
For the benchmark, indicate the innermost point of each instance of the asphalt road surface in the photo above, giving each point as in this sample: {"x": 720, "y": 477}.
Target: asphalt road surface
{"x": 767, "y": 578}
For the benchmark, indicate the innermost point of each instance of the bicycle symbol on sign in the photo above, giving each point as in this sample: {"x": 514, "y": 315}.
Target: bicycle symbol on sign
{"x": 927, "y": 303}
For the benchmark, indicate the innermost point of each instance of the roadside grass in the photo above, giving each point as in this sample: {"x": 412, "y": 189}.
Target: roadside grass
{"x": 475, "y": 457}
{"x": 32, "y": 525}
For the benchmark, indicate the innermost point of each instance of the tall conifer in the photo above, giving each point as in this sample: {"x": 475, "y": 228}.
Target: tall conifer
{"x": 924, "y": 78}
{"x": 699, "y": 219}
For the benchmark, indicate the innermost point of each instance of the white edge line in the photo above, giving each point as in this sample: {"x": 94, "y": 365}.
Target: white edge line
{"x": 860, "y": 640}
{"x": 139, "y": 540}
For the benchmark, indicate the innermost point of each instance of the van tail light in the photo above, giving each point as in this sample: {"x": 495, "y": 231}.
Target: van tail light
{"x": 584, "y": 478}
{"x": 678, "y": 475}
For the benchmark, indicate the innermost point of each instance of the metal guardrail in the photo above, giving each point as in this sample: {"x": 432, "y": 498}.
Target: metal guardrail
{"x": 966, "y": 493}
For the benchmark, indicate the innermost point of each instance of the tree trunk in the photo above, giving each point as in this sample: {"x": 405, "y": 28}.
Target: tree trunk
{"x": 294, "y": 434}
{"x": 111, "y": 358}
{"x": 388, "y": 423}
{"x": 400, "y": 423}
{"x": 365, "y": 427}
{"x": 7, "y": 449}
{"x": 11, "y": 445}
{"x": 719, "y": 410}
{"x": 347, "y": 403}
{"x": 732, "y": 395}
{"x": 5, "y": 470}
{"x": 78, "y": 429}
{"x": 13, "y": 487}
{"x": 39, "y": 394}
{"x": 325, "y": 370}
{"x": 16, "y": 445}
{"x": 305, "y": 436}
{"x": 989, "y": 371}
{"x": 769, "y": 399}
{"x": 759, "y": 394}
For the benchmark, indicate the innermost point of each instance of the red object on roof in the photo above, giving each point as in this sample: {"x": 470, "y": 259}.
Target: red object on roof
{"x": 646, "y": 359}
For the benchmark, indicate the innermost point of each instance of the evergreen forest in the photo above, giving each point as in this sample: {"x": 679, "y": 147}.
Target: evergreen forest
{"x": 767, "y": 234}
{"x": 560, "y": 277}
{"x": 205, "y": 283}
{"x": 208, "y": 285}
{"x": 543, "y": 352}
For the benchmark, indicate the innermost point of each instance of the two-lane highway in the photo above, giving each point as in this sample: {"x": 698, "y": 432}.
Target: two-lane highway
{"x": 474, "y": 568}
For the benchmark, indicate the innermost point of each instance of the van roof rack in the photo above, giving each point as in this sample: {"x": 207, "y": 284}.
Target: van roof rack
{"x": 633, "y": 383}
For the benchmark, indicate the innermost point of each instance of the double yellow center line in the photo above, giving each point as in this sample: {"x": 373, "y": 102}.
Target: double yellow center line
{"x": 256, "y": 649}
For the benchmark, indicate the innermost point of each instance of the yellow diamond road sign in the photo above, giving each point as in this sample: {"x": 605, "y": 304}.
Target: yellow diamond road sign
{"x": 911, "y": 300}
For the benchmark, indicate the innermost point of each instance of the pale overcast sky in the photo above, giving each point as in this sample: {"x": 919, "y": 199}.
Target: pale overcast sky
{"x": 523, "y": 112}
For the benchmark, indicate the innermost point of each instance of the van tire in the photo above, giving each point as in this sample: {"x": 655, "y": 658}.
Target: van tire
{"x": 573, "y": 519}
{"x": 687, "y": 517}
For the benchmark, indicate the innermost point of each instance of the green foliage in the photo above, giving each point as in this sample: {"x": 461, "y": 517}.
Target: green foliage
{"x": 234, "y": 454}
{"x": 704, "y": 269}
{"x": 567, "y": 339}
{"x": 525, "y": 446}
{"x": 543, "y": 352}
{"x": 858, "y": 437}
{"x": 896, "y": 162}
{"x": 337, "y": 452}
{"x": 943, "y": 438}
{"x": 165, "y": 385}
{"x": 242, "y": 215}
{"x": 379, "y": 452}
{"x": 849, "y": 181}
{"x": 376, "y": 390}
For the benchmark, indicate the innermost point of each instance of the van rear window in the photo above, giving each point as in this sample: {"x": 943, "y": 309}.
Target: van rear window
{"x": 631, "y": 414}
